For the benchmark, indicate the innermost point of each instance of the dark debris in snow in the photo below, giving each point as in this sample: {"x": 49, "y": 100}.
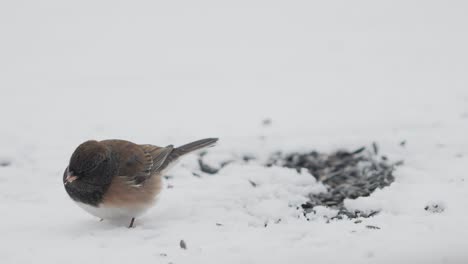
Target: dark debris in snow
{"x": 182, "y": 244}
{"x": 435, "y": 208}
{"x": 347, "y": 175}
{"x": 5, "y": 163}
{"x": 254, "y": 184}
{"x": 206, "y": 168}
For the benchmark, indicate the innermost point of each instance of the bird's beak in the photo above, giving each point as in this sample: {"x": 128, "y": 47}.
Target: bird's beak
{"x": 70, "y": 178}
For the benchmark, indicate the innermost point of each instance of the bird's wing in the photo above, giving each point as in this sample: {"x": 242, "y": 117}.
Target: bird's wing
{"x": 163, "y": 158}
{"x": 150, "y": 163}
{"x": 138, "y": 163}
{"x": 158, "y": 155}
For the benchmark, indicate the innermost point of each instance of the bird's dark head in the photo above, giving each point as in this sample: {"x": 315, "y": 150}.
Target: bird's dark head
{"x": 90, "y": 162}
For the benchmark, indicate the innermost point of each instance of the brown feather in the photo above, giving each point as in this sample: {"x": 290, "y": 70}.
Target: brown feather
{"x": 135, "y": 184}
{"x": 132, "y": 158}
{"x": 122, "y": 194}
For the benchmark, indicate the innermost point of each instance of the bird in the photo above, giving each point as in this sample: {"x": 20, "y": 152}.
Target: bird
{"x": 120, "y": 180}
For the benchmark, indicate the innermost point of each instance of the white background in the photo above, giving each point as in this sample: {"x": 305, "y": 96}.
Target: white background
{"x": 328, "y": 73}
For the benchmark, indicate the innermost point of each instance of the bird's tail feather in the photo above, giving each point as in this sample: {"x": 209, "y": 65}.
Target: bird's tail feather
{"x": 187, "y": 148}
{"x": 197, "y": 145}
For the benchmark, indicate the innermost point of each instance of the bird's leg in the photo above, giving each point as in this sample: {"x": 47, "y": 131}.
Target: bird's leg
{"x": 131, "y": 222}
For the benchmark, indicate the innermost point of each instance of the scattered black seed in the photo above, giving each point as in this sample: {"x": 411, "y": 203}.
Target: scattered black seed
{"x": 163, "y": 255}
{"x": 356, "y": 151}
{"x": 347, "y": 175}
{"x": 434, "y": 208}
{"x": 252, "y": 183}
{"x": 372, "y": 227}
{"x": 248, "y": 158}
{"x": 403, "y": 143}
{"x": 278, "y": 221}
{"x": 338, "y": 217}
{"x": 218, "y": 224}
{"x": 205, "y": 167}
{"x": 375, "y": 147}
{"x": 267, "y": 122}
{"x": 170, "y": 186}
{"x": 196, "y": 174}
{"x": 182, "y": 244}
{"x": 167, "y": 177}
{"x": 5, "y": 163}
{"x": 224, "y": 164}
{"x": 372, "y": 213}
{"x": 358, "y": 221}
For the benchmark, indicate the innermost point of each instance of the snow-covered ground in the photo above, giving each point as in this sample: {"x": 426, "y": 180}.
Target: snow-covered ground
{"x": 330, "y": 74}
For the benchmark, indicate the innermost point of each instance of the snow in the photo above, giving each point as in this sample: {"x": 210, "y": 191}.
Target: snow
{"x": 329, "y": 74}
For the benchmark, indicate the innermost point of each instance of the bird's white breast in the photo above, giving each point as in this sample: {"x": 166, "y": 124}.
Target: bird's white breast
{"x": 114, "y": 213}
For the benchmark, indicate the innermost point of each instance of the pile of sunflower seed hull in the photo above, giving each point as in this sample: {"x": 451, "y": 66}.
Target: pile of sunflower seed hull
{"x": 347, "y": 175}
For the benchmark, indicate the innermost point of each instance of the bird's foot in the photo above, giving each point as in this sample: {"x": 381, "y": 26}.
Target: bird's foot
{"x": 131, "y": 223}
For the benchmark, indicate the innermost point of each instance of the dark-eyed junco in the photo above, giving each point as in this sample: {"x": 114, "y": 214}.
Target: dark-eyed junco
{"x": 118, "y": 179}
